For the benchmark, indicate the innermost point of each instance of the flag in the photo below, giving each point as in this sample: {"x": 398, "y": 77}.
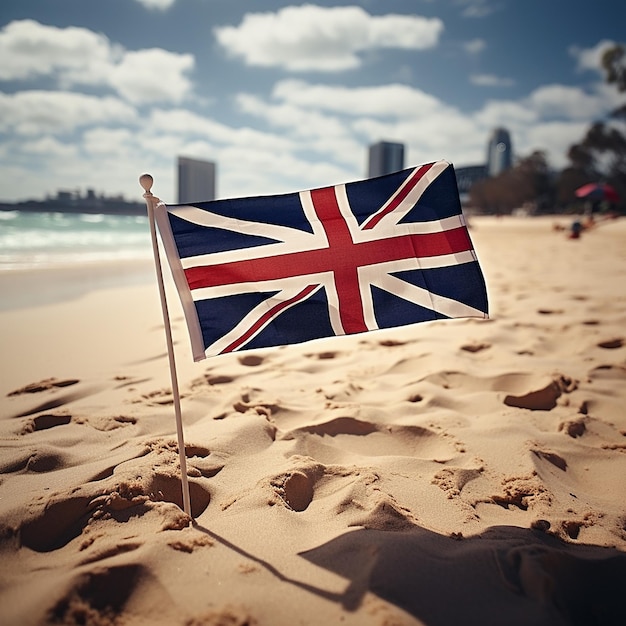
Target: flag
{"x": 355, "y": 257}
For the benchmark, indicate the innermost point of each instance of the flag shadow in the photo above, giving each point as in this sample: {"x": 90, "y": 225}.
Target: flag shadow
{"x": 505, "y": 575}
{"x": 349, "y": 599}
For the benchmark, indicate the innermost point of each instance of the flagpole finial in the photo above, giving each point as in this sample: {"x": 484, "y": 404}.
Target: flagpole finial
{"x": 146, "y": 181}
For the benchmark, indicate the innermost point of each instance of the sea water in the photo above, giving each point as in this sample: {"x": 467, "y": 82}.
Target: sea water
{"x": 48, "y": 240}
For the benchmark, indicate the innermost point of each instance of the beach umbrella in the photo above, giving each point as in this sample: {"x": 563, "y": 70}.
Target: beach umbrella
{"x": 598, "y": 191}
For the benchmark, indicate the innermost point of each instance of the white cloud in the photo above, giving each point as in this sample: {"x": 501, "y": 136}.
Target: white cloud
{"x": 339, "y": 122}
{"x": 555, "y": 138}
{"x": 317, "y": 38}
{"x": 302, "y": 122}
{"x": 327, "y": 135}
{"x": 564, "y": 102}
{"x": 54, "y": 112}
{"x": 161, "y": 5}
{"x": 475, "y": 46}
{"x": 153, "y": 75}
{"x": 50, "y": 148}
{"x": 505, "y": 113}
{"x": 590, "y": 58}
{"x": 100, "y": 141}
{"x": 476, "y": 8}
{"x": 29, "y": 49}
{"x": 384, "y": 100}
{"x": 77, "y": 56}
{"x": 490, "y": 80}
{"x": 185, "y": 124}
{"x": 551, "y": 118}
{"x": 250, "y": 162}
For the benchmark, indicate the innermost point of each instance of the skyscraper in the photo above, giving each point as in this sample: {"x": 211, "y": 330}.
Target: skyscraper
{"x": 499, "y": 152}
{"x": 385, "y": 157}
{"x": 196, "y": 180}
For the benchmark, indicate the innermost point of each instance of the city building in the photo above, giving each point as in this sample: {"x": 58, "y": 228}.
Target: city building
{"x": 499, "y": 152}
{"x": 468, "y": 175}
{"x": 196, "y": 180}
{"x": 385, "y": 157}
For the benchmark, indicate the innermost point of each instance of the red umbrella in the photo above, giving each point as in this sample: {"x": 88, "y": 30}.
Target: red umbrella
{"x": 598, "y": 191}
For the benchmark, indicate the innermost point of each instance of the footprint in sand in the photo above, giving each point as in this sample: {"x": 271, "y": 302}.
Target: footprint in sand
{"x": 523, "y": 390}
{"x": 327, "y": 355}
{"x": 612, "y": 344}
{"x": 159, "y": 397}
{"x": 572, "y": 528}
{"x": 295, "y": 489}
{"x": 61, "y": 521}
{"x": 57, "y": 400}
{"x": 43, "y": 459}
{"x": 347, "y": 491}
{"x": 215, "y": 379}
{"x": 475, "y": 347}
{"x": 251, "y": 360}
{"x": 65, "y": 516}
{"x": 391, "y": 343}
{"x": 100, "y": 595}
{"x": 608, "y": 372}
{"x": 43, "y": 385}
{"x": 363, "y": 438}
{"x": 453, "y": 480}
{"x": 573, "y": 428}
{"x": 521, "y": 492}
{"x": 543, "y": 398}
{"x": 341, "y": 426}
{"x": 46, "y": 421}
{"x": 551, "y": 457}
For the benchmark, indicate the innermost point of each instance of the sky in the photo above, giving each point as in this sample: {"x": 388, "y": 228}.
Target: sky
{"x": 288, "y": 96}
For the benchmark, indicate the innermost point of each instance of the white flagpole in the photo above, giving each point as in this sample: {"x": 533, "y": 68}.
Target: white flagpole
{"x": 146, "y": 181}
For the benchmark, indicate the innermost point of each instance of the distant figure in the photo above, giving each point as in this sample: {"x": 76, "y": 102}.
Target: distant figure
{"x": 575, "y": 230}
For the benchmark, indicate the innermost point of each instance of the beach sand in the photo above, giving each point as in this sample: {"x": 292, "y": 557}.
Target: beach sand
{"x": 455, "y": 472}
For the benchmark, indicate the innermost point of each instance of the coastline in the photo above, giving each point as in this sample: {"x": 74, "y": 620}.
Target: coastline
{"x": 71, "y": 206}
{"x": 25, "y": 288}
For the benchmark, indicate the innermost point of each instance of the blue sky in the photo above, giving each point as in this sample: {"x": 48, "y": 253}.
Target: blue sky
{"x": 287, "y": 96}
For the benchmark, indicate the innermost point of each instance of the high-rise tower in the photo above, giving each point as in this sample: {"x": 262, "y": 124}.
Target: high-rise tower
{"x": 385, "y": 157}
{"x": 196, "y": 180}
{"x": 499, "y": 152}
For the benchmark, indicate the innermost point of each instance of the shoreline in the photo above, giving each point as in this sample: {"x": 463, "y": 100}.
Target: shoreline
{"x": 25, "y": 288}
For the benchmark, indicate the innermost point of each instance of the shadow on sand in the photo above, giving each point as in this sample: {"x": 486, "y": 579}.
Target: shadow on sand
{"x": 515, "y": 575}
{"x": 506, "y": 575}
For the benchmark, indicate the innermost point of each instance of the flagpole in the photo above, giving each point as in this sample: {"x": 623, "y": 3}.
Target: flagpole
{"x": 146, "y": 181}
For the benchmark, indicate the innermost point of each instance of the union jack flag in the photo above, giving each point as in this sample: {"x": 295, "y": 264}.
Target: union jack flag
{"x": 355, "y": 257}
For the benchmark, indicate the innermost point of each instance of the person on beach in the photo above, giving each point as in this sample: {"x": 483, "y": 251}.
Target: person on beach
{"x": 575, "y": 229}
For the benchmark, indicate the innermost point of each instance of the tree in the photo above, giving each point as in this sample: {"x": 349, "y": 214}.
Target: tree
{"x": 528, "y": 182}
{"x": 601, "y": 154}
{"x": 614, "y": 64}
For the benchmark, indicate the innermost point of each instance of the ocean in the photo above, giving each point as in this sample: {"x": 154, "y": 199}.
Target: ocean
{"x": 54, "y": 257}
{"x": 49, "y": 240}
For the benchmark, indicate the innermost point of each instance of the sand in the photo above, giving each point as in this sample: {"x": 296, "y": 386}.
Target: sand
{"x": 455, "y": 472}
